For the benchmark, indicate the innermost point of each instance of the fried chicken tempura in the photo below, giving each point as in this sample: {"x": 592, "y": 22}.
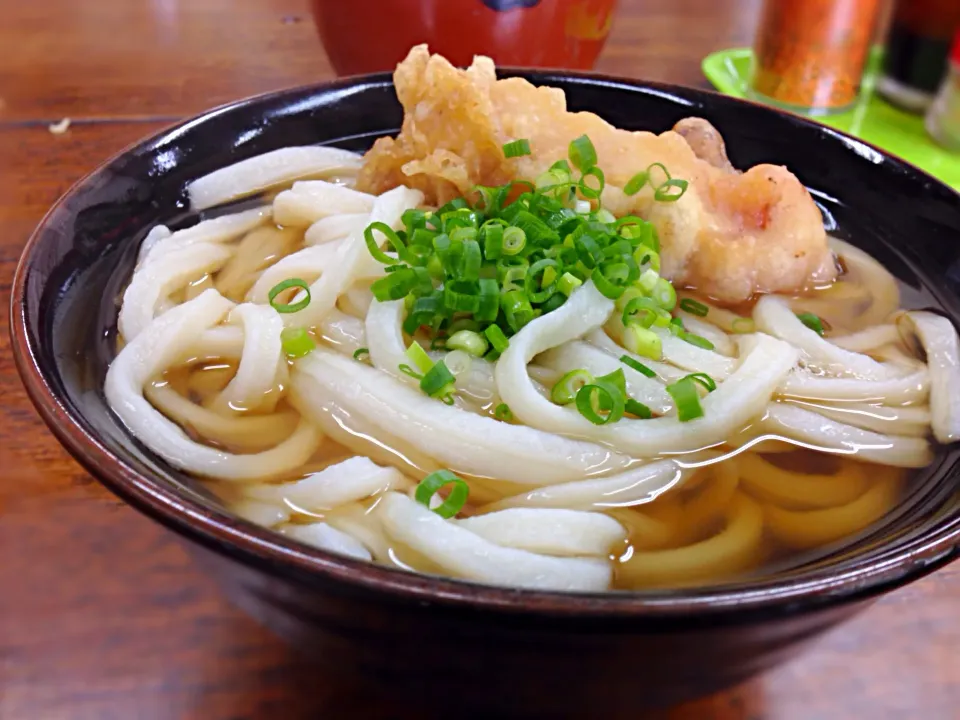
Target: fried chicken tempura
{"x": 730, "y": 236}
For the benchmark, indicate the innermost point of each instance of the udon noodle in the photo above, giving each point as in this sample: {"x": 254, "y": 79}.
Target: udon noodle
{"x": 804, "y": 442}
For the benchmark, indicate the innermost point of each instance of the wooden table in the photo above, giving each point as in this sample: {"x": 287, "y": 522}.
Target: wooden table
{"x": 102, "y": 614}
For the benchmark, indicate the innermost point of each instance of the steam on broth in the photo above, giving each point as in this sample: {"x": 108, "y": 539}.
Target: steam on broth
{"x": 333, "y": 370}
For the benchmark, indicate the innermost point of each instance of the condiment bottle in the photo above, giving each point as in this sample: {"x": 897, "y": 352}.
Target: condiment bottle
{"x": 915, "y": 58}
{"x": 809, "y": 55}
{"x": 943, "y": 119}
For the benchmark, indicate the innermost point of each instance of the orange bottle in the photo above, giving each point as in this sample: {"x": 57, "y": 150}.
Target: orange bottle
{"x": 809, "y": 54}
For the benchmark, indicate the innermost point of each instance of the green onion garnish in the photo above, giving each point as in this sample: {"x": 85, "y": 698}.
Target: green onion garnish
{"x": 601, "y": 397}
{"x": 636, "y": 183}
{"x": 705, "y": 380}
{"x": 812, "y": 322}
{"x": 568, "y": 283}
{"x": 743, "y": 325}
{"x": 641, "y": 311}
{"x": 360, "y": 353}
{"x": 637, "y": 408}
{"x": 438, "y": 381}
{"x": 514, "y": 240}
{"x": 374, "y": 247}
{"x": 296, "y": 342}
{"x": 693, "y": 307}
{"x": 407, "y": 370}
{"x": 664, "y": 293}
{"x": 665, "y": 193}
{"x": 617, "y": 379}
{"x": 471, "y": 342}
{"x": 281, "y": 307}
{"x": 536, "y": 284}
{"x": 582, "y": 153}
{"x": 592, "y": 190}
{"x": 456, "y": 499}
{"x": 700, "y": 342}
{"x": 638, "y": 366}
{"x": 494, "y": 262}
{"x": 566, "y": 388}
{"x": 686, "y": 398}
{"x": 419, "y": 357}
{"x": 502, "y": 412}
{"x": 497, "y": 339}
{"x": 642, "y": 341}
{"x": 517, "y": 148}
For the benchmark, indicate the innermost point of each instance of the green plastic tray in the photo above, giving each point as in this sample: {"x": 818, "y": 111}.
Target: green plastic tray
{"x": 872, "y": 118}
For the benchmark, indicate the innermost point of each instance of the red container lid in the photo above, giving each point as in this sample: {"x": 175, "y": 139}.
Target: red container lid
{"x": 955, "y": 50}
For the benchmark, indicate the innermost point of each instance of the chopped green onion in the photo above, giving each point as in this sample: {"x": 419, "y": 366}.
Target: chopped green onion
{"x": 396, "y": 284}
{"x": 374, "y": 247}
{"x": 461, "y": 296}
{"x": 537, "y": 231}
{"x": 360, "y": 353}
{"x": 438, "y": 381}
{"x": 693, "y": 307}
{"x": 663, "y": 169}
{"x": 648, "y": 257}
{"x": 492, "y": 241}
{"x": 700, "y": 342}
{"x": 638, "y": 366}
{"x": 582, "y": 153}
{"x": 546, "y": 289}
{"x": 641, "y": 311}
{"x": 636, "y": 183}
{"x": 663, "y": 194}
{"x": 514, "y": 240}
{"x": 812, "y": 322}
{"x": 470, "y": 260}
{"x": 497, "y": 339}
{"x": 517, "y": 309}
{"x": 705, "y": 380}
{"x": 607, "y": 284}
{"x": 456, "y": 499}
{"x": 286, "y": 285}
{"x": 296, "y": 342}
{"x": 599, "y": 396}
{"x": 472, "y": 343}
{"x": 517, "y": 148}
{"x": 414, "y": 219}
{"x": 566, "y": 388}
{"x": 664, "y": 294}
{"x": 418, "y": 356}
{"x": 568, "y": 283}
{"x": 502, "y": 412}
{"x": 686, "y": 398}
{"x": 617, "y": 379}
{"x": 635, "y": 407}
{"x": 648, "y": 280}
{"x": 592, "y": 192}
{"x": 641, "y": 341}
{"x": 489, "y": 300}
{"x": 407, "y": 370}
{"x": 743, "y": 325}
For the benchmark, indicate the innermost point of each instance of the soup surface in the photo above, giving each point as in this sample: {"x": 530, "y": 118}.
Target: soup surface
{"x": 532, "y": 372}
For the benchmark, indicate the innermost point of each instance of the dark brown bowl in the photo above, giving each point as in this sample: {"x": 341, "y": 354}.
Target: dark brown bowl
{"x": 442, "y": 646}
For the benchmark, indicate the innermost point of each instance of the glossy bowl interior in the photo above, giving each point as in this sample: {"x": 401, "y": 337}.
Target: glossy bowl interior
{"x": 74, "y": 268}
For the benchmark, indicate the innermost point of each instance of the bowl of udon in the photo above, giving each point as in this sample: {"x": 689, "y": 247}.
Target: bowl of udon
{"x": 550, "y": 393}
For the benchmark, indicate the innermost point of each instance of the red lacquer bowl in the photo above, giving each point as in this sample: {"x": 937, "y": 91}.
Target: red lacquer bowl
{"x": 364, "y": 37}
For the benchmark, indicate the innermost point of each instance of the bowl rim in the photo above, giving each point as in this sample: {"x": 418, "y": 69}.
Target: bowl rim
{"x": 279, "y": 556}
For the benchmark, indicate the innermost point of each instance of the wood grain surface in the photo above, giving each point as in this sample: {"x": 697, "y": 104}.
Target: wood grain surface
{"x": 102, "y": 614}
